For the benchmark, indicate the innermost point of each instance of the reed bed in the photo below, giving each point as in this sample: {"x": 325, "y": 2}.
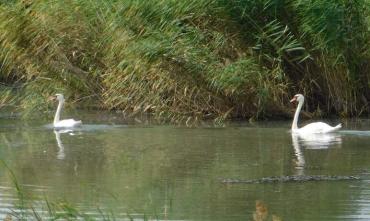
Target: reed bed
{"x": 186, "y": 61}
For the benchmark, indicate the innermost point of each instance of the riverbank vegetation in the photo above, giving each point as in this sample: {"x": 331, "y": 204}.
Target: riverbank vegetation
{"x": 187, "y": 60}
{"x": 30, "y": 207}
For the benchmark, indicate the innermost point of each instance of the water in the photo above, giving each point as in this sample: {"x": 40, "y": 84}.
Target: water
{"x": 144, "y": 171}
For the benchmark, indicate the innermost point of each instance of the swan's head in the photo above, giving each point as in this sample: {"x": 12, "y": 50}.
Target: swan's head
{"x": 297, "y": 98}
{"x": 58, "y": 97}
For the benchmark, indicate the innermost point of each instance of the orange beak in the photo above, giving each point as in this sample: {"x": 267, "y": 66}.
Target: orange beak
{"x": 294, "y": 99}
{"x": 51, "y": 98}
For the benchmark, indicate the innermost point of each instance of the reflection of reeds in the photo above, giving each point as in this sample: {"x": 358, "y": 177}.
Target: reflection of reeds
{"x": 33, "y": 208}
{"x": 186, "y": 60}
{"x": 261, "y": 213}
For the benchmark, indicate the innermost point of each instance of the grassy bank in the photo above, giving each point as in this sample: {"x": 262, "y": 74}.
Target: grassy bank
{"x": 187, "y": 60}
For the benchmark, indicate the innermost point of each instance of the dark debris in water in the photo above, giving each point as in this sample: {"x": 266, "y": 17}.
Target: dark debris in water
{"x": 286, "y": 179}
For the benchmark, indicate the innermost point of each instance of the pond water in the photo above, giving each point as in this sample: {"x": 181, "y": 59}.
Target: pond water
{"x": 142, "y": 171}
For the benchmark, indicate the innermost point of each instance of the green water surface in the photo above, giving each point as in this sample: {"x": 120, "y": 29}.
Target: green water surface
{"x": 147, "y": 171}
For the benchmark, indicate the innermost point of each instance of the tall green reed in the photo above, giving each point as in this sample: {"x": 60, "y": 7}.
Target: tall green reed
{"x": 187, "y": 60}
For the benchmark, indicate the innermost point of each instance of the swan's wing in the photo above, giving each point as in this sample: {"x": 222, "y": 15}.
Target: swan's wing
{"x": 68, "y": 123}
{"x": 318, "y": 127}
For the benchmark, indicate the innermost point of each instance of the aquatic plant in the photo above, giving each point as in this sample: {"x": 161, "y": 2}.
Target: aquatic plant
{"x": 29, "y": 207}
{"x": 186, "y": 60}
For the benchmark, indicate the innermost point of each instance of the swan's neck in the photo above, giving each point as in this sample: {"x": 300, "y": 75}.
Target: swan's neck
{"x": 296, "y": 115}
{"x": 59, "y": 109}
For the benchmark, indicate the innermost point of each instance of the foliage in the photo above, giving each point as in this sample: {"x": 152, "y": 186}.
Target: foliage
{"x": 186, "y": 60}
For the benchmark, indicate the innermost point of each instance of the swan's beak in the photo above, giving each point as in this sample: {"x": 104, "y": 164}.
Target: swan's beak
{"x": 52, "y": 98}
{"x": 293, "y": 100}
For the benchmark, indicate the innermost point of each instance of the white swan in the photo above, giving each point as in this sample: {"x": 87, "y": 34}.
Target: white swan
{"x": 68, "y": 123}
{"x": 317, "y": 127}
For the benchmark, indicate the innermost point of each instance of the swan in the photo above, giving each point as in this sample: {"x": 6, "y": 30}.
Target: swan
{"x": 68, "y": 123}
{"x": 317, "y": 127}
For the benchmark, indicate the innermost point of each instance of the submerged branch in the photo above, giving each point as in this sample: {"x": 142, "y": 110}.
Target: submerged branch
{"x": 286, "y": 179}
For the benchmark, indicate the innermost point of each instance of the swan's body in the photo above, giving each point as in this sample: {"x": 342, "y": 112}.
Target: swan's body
{"x": 68, "y": 123}
{"x": 317, "y": 127}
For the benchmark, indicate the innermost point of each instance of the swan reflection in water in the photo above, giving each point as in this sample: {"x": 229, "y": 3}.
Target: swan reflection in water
{"x": 61, "y": 155}
{"x": 312, "y": 141}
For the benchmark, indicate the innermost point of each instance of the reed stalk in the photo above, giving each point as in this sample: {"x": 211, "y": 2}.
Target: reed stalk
{"x": 185, "y": 61}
